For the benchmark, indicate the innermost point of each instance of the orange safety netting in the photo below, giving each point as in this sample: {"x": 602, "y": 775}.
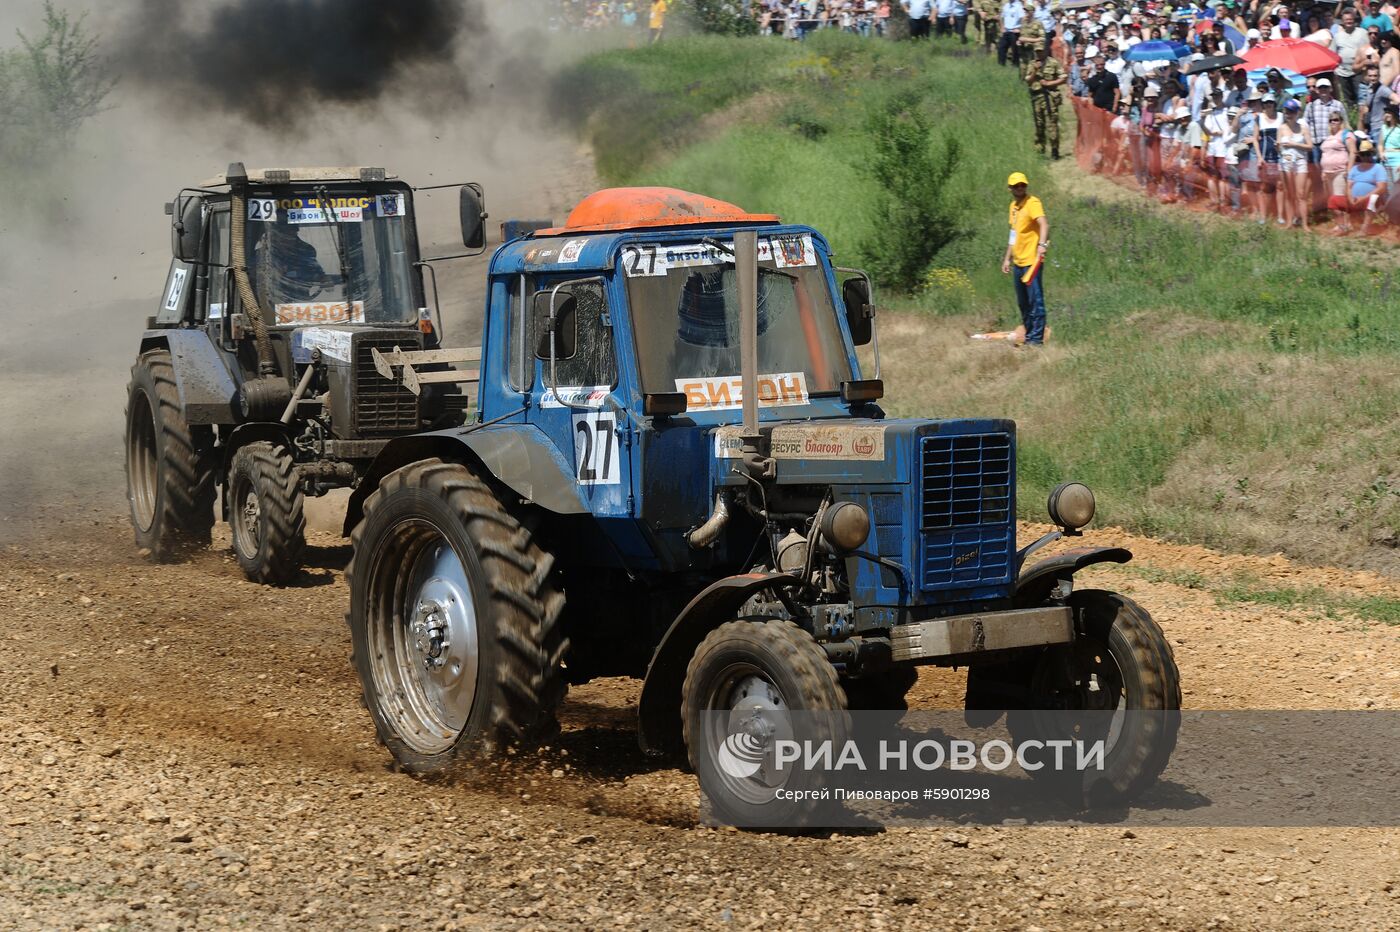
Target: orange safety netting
{"x": 1174, "y": 172}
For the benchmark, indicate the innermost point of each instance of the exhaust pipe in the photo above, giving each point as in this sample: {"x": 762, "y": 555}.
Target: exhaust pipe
{"x": 707, "y": 533}
{"x": 746, "y": 269}
{"x": 263, "y": 398}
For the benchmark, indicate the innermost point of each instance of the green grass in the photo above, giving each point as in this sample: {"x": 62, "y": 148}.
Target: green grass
{"x": 1215, "y": 382}
{"x": 1245, "y": 588}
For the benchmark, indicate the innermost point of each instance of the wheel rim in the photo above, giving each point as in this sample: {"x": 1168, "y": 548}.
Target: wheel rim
{"x": 1098, "y": 687}
{"x": 744, "y": 741}
{"x": 247, "y": 518}
{"x": 424, "y": 639}
{"x": 142, "y": 461}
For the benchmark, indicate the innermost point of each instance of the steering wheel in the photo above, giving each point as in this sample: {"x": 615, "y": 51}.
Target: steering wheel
{"x": 315, "y": 289}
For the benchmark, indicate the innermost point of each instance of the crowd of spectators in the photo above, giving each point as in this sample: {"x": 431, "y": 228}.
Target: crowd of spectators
{"x": 611, "y": 14}
{"x": 1276, "y": 148}
{"x": 1280, "y": 148}
{"x": 793, "y": 19}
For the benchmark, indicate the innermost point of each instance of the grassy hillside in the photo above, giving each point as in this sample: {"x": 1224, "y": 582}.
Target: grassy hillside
{"x": 1215, "y": 382}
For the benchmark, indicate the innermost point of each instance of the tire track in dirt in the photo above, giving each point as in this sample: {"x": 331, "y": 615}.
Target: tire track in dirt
{"x": 201, "y": 756}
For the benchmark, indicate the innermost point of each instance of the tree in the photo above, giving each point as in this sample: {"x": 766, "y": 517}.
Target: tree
{"x": 48, "y": 87}
{"x": 914, "y": 216}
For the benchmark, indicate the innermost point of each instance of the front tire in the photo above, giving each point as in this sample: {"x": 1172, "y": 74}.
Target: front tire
{"x": 266, "y": 513}
{"x": 1120, "y": 669}
{"x": 454, "y": 620}
{"x": 742, "y": 683}
{"x": 169, "y": 464}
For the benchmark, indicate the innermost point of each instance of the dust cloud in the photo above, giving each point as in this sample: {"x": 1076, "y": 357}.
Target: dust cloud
{"x": 83, "y": 259}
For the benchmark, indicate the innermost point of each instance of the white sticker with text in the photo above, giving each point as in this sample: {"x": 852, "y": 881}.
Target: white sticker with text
{"x": 722, "y": 393}
{"x": 577, "y": 396}
{"x": 645, "y": 260}
{"x": 316, "y": 215}
{"x": 810, "y": 442}
{"x": 571, "y": 250}
{"x": 332, "y": 343}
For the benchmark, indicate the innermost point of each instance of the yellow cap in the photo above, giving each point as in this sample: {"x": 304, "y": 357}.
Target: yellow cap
{"x": 1015, "y": 179}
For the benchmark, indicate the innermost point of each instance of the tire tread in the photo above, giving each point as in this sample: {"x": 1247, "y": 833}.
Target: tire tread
{"x": 529, "y": 680}
{"x": 184, "y": 518}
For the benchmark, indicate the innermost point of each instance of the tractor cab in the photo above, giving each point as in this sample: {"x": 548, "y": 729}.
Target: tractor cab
{"x": 296, "y": 334}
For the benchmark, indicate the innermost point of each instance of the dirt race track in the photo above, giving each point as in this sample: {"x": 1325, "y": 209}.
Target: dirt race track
{"x": 183, "y": 749}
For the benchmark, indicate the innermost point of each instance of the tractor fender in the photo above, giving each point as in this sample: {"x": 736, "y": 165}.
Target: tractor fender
{"x": 659, "y": 710}
{"x": 1035, "y": 583}
{"x": 253, "y": 432}
{"x": 208, "y": 392}
{"x": 518, "y": 456}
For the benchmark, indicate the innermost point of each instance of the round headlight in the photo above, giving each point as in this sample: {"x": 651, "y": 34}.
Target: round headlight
{"x": 1071, "y": 505}
{"x": 845, "y": 526}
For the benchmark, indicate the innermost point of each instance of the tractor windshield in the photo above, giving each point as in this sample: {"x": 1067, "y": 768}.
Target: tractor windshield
{"x": 295, "y": 250}
{"x": 685, "y": 312}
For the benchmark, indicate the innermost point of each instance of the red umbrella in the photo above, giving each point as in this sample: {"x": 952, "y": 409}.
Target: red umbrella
{"x": 1300, "y": 55}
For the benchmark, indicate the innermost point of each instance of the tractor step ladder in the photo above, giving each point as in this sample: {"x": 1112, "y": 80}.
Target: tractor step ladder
{"x": 413, "y": 380}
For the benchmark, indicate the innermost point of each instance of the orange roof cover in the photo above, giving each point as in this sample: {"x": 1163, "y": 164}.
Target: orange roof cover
{"x": 633, "y": 208}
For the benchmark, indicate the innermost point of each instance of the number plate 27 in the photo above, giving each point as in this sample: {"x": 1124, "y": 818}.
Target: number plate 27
{"x": 595, "y": 448}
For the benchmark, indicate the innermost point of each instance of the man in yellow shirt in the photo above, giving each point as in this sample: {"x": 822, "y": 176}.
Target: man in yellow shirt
{"x": 658, "y": 18}
{"x": 1025, "y": 254}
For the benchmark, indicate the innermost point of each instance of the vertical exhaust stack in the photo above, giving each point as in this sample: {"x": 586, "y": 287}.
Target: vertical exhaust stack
{"x": 746, "y": 268}
{"x": 268, "y": 396}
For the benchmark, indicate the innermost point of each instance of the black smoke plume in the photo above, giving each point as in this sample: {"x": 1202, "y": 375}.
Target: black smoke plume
{"x": 274, "y": 61}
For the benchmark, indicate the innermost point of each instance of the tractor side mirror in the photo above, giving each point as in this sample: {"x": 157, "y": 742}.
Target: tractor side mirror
{"x": 473, "y": 209}
{"x": 555, "y": 312}
{"x": 186, "y": 227}
{"x": 860, "y": 316}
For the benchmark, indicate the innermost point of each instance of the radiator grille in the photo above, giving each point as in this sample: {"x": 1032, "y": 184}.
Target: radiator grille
{"x": 380, "y": 406}
{"x": 966, "y": 509}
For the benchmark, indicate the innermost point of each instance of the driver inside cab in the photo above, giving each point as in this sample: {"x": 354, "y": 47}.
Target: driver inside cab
{"x": 285, "y": 265}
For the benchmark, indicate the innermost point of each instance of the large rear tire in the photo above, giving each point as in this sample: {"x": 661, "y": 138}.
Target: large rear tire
{"x": 169, "y": 464}
{"x": 265, "y": 511}
{"x": 1120, "y": 669}
{"x": 742, "y": 683}
{"x": 454, "y": 620}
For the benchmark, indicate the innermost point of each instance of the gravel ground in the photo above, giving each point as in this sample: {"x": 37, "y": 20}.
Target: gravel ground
{"x": 183, "y": 749}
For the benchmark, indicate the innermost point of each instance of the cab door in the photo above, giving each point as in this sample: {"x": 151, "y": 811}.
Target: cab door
{"x": 574, "y": 398}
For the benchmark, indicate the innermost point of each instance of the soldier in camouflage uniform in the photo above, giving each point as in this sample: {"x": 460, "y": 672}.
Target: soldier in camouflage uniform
{"x": 988, "y": 14}
{"x": 1044, "y": 77}
{"x": 1032, "y": 37}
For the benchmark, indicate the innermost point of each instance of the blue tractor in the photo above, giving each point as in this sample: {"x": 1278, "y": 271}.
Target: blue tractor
{"x": 677, "y": 469}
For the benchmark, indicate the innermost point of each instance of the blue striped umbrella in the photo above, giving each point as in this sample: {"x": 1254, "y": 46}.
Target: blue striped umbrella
{"x": 1297, "y": 84}
{"x": 1157, "y": 50}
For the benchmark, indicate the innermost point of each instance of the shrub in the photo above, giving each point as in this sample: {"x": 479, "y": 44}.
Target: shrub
{"x": 724, "y": 17}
